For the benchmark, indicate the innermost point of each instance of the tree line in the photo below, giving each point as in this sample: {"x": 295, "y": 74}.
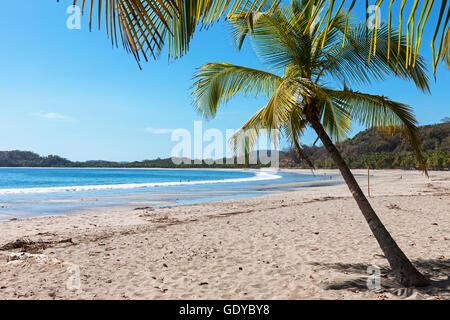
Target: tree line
{"x": 377, "y": 151}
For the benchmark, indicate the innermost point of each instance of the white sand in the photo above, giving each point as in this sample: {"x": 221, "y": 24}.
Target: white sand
{"x": 309, "y": 244}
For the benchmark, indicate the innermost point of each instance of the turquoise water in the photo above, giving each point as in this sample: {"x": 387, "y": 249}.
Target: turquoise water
{"x": 29, "y": 178}
{"x": 32, "y": 192}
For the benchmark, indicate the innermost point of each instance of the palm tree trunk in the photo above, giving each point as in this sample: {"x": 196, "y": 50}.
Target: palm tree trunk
{"x": 403, "y": 269}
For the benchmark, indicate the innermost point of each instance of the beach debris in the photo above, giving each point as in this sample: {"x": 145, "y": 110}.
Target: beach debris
{"x": 30, "y": 246}
{"x": 15, "y": 257}
{"x": 314, "y": 249}
{"x": 316, "y": 233}
{"x": 240, "y": 268}
{"x": 25, "y": 245}
{"x": 442, "y": 258}
{"x": 393, "y": 207}
{"x": 446, "y": 239}
{"x": 145, "y": 208}
{"x": 354, "y": 290}
{"x": 109, "y": 281}
{"x": 382, "y": 296}
{"x": 204, "y": 283}
{"x": 434, "y": 224}
{"x": 45, "y": 234}
{"x": 69, "y": 240}
{"x": 165, "y": 265}
{"x": 161, "y": 289}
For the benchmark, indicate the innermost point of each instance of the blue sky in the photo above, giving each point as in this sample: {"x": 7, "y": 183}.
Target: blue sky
{"x": 67, "y": 92}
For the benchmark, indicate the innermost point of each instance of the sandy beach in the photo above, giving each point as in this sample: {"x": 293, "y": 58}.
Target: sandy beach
{"x": 311, "y": 243}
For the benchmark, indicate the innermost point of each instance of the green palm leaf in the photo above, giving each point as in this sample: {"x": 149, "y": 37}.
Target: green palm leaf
{"x": 144, "y": 25}
{"x": 217, "y": 83}
{"x": 381, "y": 113}
{"x": 413, "y": 34}
{"x": 293, "y": 130}
{"x": 349, "y": 64}
{"x": 272, "y": 117}
{"x": 446, "y": 48}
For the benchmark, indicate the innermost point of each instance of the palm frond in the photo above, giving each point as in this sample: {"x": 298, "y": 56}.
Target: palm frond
{"x": 385, "y": 115}
{"x": 217, "y": 83}
{"x": 446, "y": 49}
{"x": 144, "y": 25}
{"x": 271, "y": 117}
{"x": 243, "y": 24}
{"x": 274, "y": 41}
{"x": 414, "y": 31}
{"x": 336, "y": 120}
{"x": 349, "y": 63}
{"x": 293, "y": 130}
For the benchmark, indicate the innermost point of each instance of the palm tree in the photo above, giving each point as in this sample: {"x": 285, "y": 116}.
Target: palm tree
{"x": 301, "y": 64}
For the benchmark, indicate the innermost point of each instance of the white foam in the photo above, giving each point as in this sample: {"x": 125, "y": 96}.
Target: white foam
{"x": 259, "y": 176}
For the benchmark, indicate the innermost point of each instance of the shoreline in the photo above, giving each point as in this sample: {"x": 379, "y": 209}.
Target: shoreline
{"x": 258, "y": 176}
{"x": 310, "y": 243}
{"x": 24, "y": 203}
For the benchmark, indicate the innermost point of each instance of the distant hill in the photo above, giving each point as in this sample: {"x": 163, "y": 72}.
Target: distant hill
{"x": 370, "y": 148}
{"x": 18, "y": 158}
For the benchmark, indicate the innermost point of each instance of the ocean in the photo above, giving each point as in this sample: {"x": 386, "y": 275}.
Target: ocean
{"x": 30, "y": 192}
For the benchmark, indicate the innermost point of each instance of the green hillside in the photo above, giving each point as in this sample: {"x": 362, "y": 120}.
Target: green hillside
{"x": 370, "y": 148}
{"x": 17, "y": 158}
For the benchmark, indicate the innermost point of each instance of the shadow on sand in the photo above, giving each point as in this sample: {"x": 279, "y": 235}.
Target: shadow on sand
{"x": 437, "y": 271}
